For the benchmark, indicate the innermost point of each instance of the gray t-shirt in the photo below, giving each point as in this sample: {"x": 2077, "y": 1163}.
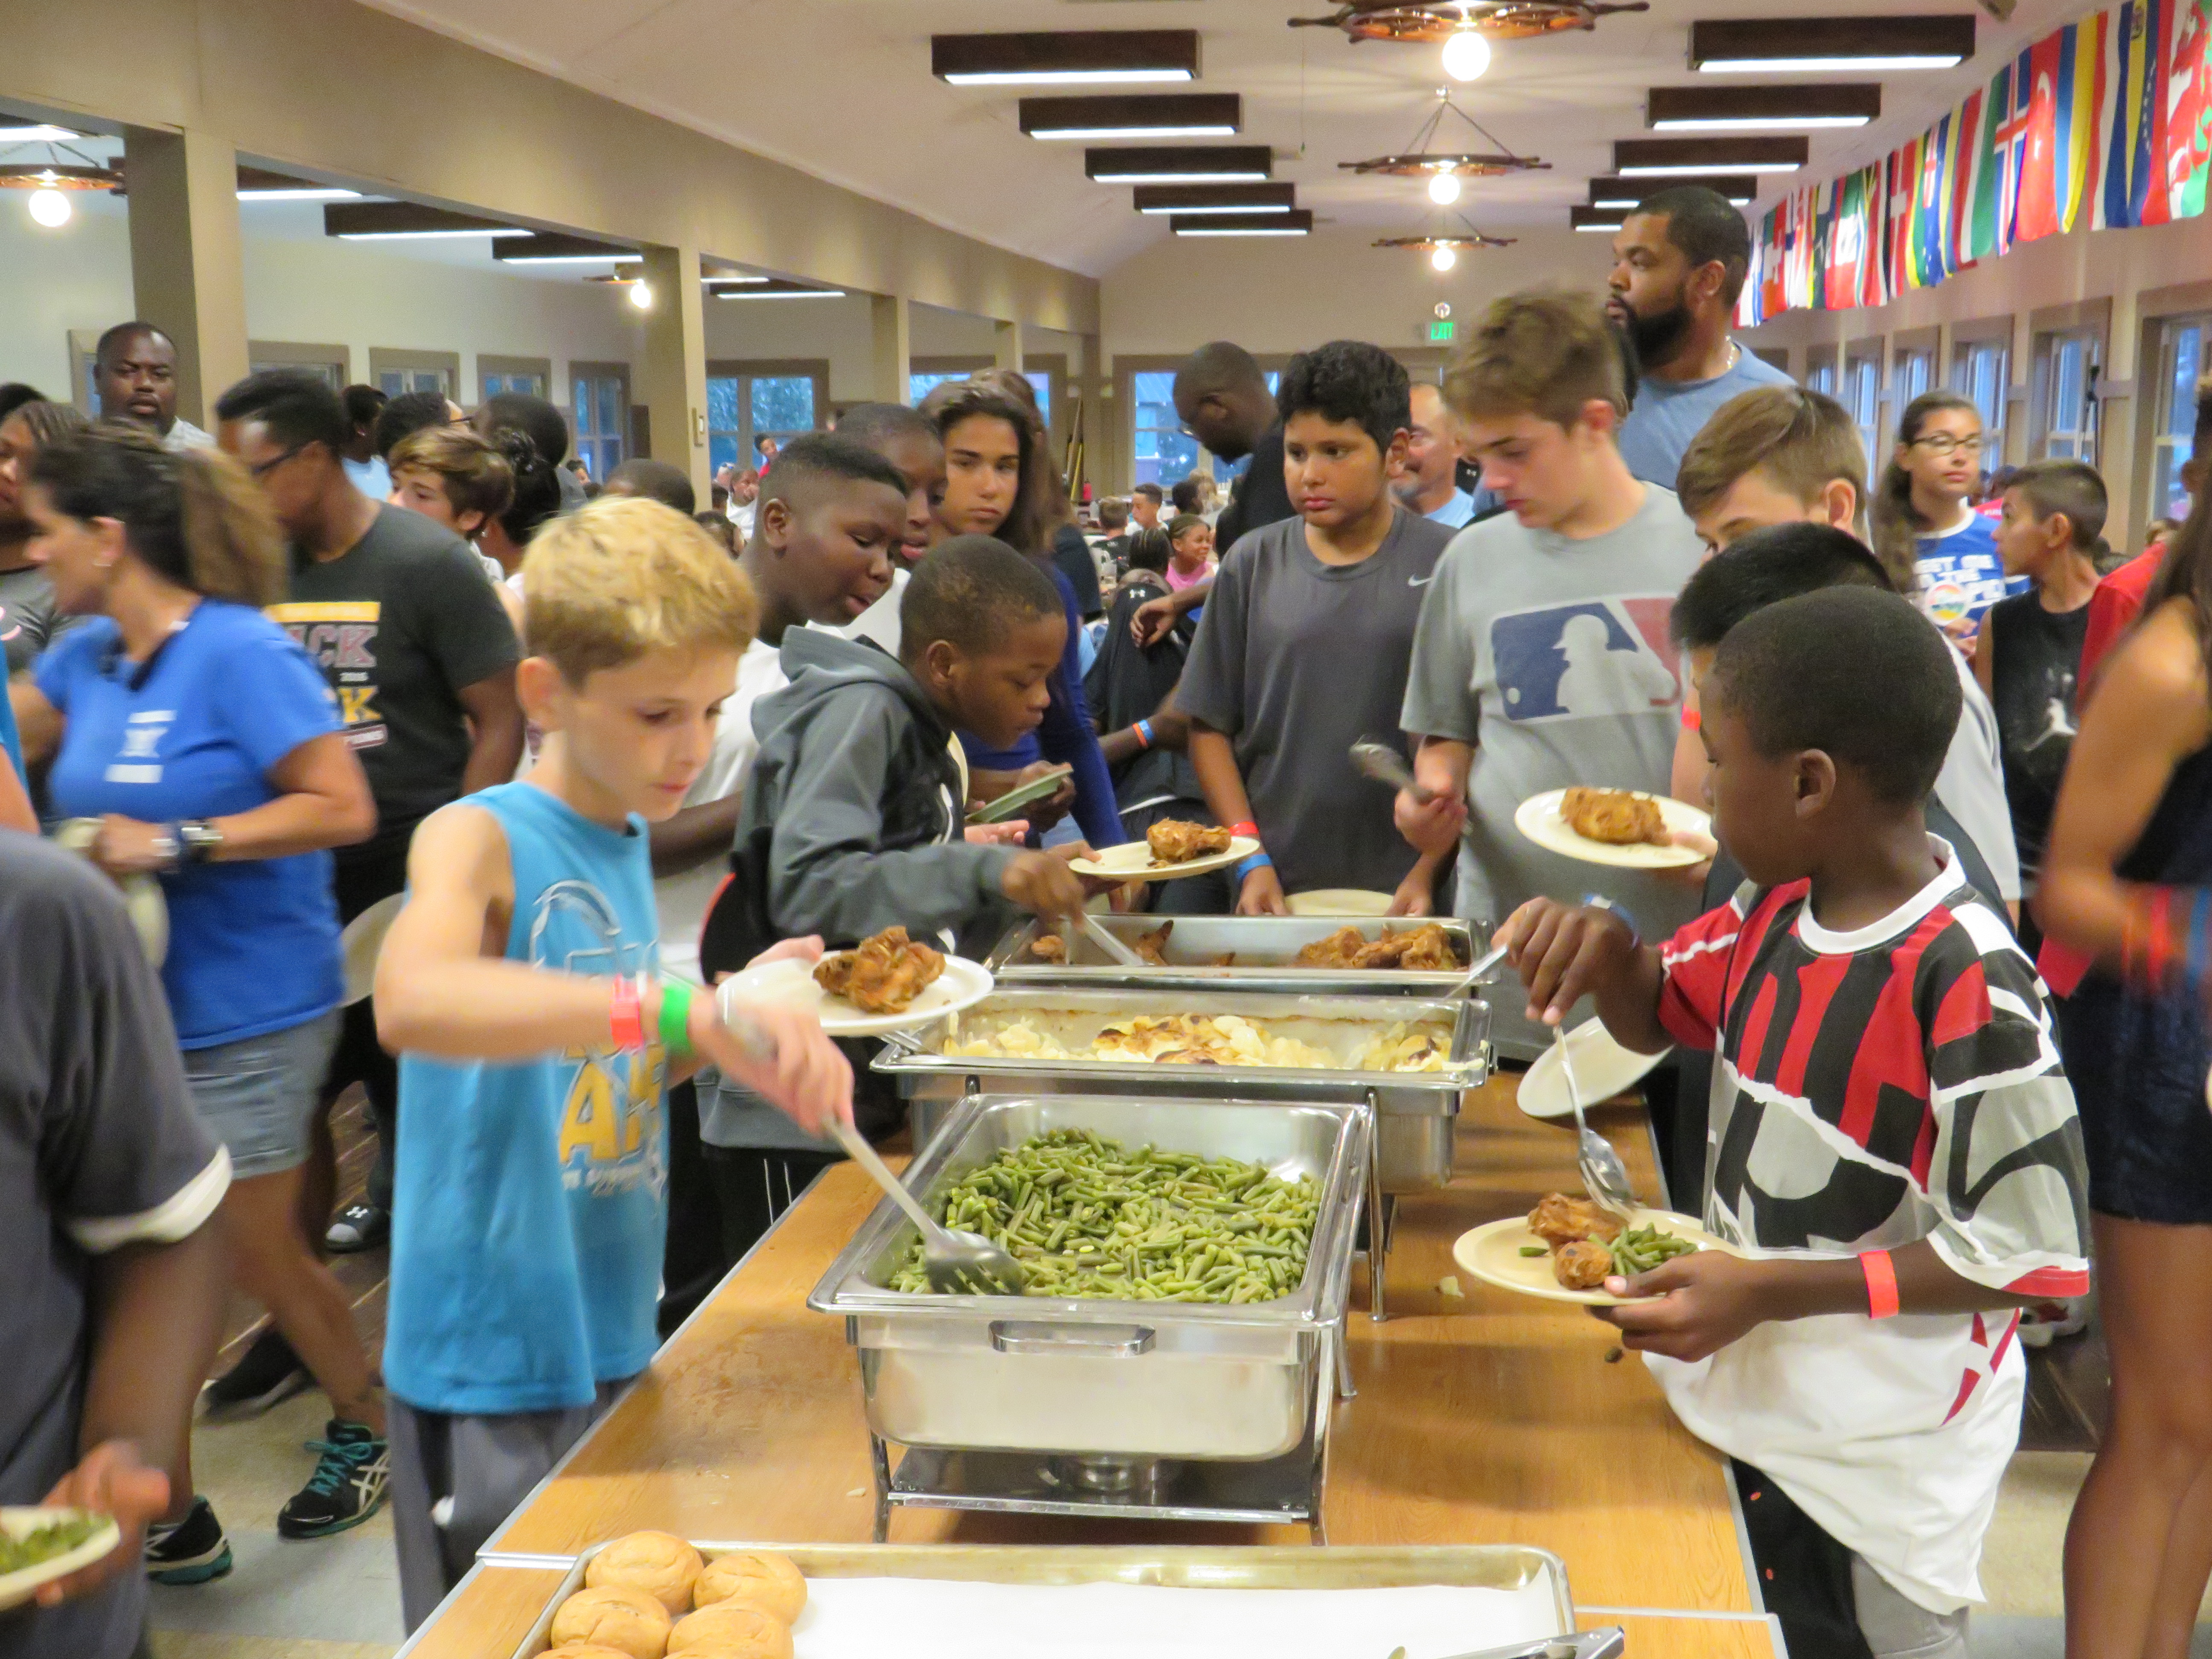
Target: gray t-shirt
{"x": 1296, "y": 661}
{"x": 100, "y": 1148}
{"x": 1668, "y": 414}
{"x": 1552, "y": 657}
{"x": 29, "y": 619}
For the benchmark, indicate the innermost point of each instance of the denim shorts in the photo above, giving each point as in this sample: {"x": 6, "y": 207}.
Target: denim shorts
{"x": 256, "y": 1095}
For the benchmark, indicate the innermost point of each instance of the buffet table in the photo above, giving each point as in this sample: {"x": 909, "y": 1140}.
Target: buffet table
{"x": 1485, "y": 1418}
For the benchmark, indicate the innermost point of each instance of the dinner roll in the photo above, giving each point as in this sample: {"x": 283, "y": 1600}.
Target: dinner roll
{"x": 760, "y": 1576}
{"x": 731, "y": 1629}
{"x": 660, "y": 1563}
{"x": 613, "y": 1616}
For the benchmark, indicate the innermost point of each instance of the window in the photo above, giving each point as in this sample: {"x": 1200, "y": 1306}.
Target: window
{"x": 1821, "y": 377}
{"x": 2180, "y": 361}
{"x": 1163, "y": 453}
{"x": 1982, "y": 370}
{"x": 748, "y": 401}
{"x": 2066, "y": 396}
{"x": 921, "y": 385}
{"x": 600, "y": 415}
{"x": 496, "y": 384}
{"x": 1914, "y": 372}
{"x": 327, "y": 363}
{"x": 397, "y": 371}
{"x": 1863, "y": 397}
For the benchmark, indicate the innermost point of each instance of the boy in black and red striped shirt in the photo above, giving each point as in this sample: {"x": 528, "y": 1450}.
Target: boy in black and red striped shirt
{"x": 1893, "y": 1146}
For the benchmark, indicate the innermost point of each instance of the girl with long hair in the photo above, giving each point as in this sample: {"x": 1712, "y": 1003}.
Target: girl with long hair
{"x": 1924, "y": 519}
{"x": 29, "y": 620}
{"x": 201, "y": 742}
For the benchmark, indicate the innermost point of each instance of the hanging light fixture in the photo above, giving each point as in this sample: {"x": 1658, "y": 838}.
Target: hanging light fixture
{"x": 51, "y": 185}
{"x": 1444, "y": 258}
{"x": 1443, "y": 187}
{"x": 1447, "y": 22}
{"x": 1466, "y": 54}
{"x": 1443, "y": 247}
{"x": 640, "y": 295}
{"x": 1444, "y": 168}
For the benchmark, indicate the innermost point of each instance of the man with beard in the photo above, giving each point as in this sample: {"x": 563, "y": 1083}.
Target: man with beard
{"x": 1679, "y": 263}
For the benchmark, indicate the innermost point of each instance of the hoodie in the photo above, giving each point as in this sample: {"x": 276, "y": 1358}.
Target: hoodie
{"x": 852, "y": 819}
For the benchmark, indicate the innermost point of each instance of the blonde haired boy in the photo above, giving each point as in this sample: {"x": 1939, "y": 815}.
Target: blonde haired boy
{"x": 520, "y": 985}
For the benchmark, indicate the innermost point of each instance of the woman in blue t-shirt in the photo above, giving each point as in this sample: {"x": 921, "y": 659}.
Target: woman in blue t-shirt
{"x": 202, "y": 741}
{"x": 1923, "y": 513}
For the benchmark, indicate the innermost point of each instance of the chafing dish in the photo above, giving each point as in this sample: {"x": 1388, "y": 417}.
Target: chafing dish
{"x": 1266, "y": 949}
{"x": 1099, "y": 1390}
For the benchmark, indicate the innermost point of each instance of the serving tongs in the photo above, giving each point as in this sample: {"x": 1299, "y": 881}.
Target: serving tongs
{"x": 1088, "y": 925}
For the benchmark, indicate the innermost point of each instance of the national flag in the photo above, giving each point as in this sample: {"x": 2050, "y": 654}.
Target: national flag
{"x": 1847, "y": 253}
{"x": 2077, "y": 156}
{"x": 1772, "y": 301}
{"x": 2037, "y": 214}
{"x": 1928, "y": 215}
{"x": 2011, "y": 150}
{"x": 1873, "y": 276}
{"x": 2189, "y": 109}
{"x": 2134, "y": 97}
{"x": 1824, "y": 245}
{"x": 1985, "y": 179}
{"x": 2156, "y": 206}
{"x": 1904, "y": 172}
{"x": 1967, "y": 147}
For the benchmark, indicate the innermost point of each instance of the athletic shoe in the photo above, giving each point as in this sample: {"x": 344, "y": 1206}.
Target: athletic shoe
{"x": 358, "y": 1227}
{"x": 188, "y": 1551}
{"x": 2040, "y": 1322}
{"x": 266, "y": 1373}
{"x": 347, "y": 1487}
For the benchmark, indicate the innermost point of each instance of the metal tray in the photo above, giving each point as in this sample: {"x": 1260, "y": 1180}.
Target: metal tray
{"x": 1266, "y": 948}
{"x": 1484, "y": 1566}
{"x": 1082, "y": 1377}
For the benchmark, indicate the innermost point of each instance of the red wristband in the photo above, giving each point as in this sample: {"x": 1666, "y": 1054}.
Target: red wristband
{"x": 627, "y": 1021}
{"x": 1881, "y": 1284}
{"x": 1251, "y": 829}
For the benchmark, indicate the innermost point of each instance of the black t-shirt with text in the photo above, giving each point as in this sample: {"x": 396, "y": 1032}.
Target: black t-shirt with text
{"x": 400, "y": 622}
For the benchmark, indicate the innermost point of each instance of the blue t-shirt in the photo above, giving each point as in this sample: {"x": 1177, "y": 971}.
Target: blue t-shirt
{"x": 1962, "y": 574}
{"x": 10, "y": 740}
{"x": 253, "y": 944}
{"x": 1455, "y": 512}
{"x": 1667, "y": 414}
{"x": 531, "y": 1197}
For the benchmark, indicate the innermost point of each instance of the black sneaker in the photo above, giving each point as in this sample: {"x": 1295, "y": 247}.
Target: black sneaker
{"x": 358, "y": 1227}
{"x": 188, "y": 1551}
{"x": 347, "y": 1487}
{"x": 267, "y": 1373}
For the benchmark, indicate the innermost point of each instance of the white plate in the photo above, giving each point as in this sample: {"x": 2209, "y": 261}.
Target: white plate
{"x": 359, "y": 945}
{"x": 961, "y": 985}
{"x": 142, "y": 893}
{"x": 1340, "y": 902}
{"x": 1603, "y": 1067}
{"x": 17, "y": 1588}
{"x": 1539, "y": 819}
{"x": 1492, "y": 1253}
{"x": 1134, "y": 862}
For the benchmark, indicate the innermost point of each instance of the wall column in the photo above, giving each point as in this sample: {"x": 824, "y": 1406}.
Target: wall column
{"x": 891, "y": 320}
{"x": 673, "y": 386}
{"x": 1006, "y": 345}
{"x": 187, "y": 272}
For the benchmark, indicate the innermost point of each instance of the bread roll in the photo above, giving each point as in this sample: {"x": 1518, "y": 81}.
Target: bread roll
{"x": 660, "y": 1563}
{"x": 731, "y": 1629}
{"x": 613, "y": 1616}
{"x": 767, "y": 1580}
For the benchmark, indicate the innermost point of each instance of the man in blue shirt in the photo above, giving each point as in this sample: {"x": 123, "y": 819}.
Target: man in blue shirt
{"x": 1428, "y": 484}
{"x": 1679, "y": 263}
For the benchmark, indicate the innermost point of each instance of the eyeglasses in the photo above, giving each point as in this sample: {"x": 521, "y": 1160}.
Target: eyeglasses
{"x": 266, "y": 468}
{"x": 1942, "y": 443}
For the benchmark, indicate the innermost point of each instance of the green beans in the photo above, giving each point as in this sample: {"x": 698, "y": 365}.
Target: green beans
{"x": 1534, "y": 1250}
{"x": 1639, "y": 1250}
{"x": 1086, "y": 1217}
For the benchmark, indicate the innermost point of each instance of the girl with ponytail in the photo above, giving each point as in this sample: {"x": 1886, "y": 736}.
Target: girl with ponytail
{"x": 1922, "y": 512}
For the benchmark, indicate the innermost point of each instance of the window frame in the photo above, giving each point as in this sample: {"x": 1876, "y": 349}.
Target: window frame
{"x": 745, "y": 371}
{"x": 335, "y": 362}
{"x": 490, "y": 364}
{"x": 394, "y": 359}
{"x": 1125, "y": 370}
{"x": 2051, "y": 440}
{"x": 1967, "y": 349}
{"x": 1860, "y": 392}
{"x": 595, "y": 461}
{"x": 2164, "y": 441}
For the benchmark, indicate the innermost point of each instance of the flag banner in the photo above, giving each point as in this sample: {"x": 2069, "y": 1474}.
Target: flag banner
{"x": 2037, "y": 216}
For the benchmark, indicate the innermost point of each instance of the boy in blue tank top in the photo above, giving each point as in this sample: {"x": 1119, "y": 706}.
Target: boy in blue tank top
{"x": 521, "y": 987}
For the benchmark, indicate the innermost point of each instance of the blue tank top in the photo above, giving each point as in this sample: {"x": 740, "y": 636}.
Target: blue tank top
{"x": 530, "y": 1197}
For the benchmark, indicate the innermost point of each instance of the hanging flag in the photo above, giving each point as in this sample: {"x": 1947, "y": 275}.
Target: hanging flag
{"x": 1874, "y": 279}
{"x": 2189, "y": 108}
{"x": 1824, "y": 243}
{"x": 2127, "y": 136}
{"x": 1772, "y": 302}
{"x": 1978, "y": 235}
{"x": 1928, "y": 216}
{"x": 1903, "y": 171}
{"x": 1847, "y": 254}
{"x": 2037, "y": 216}
{"x": 1967, "y": 147}
{"x": 2155, "y": 205}
{"x": 2077, "y": 156}
{"x": 2012, "y": 151}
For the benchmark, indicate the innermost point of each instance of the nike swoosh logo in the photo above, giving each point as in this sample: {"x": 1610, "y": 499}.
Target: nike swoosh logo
{"x": 1419, "y": 582}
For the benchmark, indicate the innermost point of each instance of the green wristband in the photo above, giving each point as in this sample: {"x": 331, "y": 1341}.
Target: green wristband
{"x": 675, "y": 1017}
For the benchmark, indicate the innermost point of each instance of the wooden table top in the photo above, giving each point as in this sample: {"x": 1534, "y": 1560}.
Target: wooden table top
{"x": 1494, "y": 1418}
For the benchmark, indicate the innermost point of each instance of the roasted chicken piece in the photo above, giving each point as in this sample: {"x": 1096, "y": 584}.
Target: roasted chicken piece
{"x": 1425, "y": 949}
{"x": 1340, "y": 950}
{"x": 1563, "y": 1220}
{"x": 1176, "y": 842}
{"x": 1049, "y": 947}
{"x": 1581, "y": 1265}
{"x": 880, "y": 975}
{"x": 1153, "y": 946}
{"x": 1618, "y": 817}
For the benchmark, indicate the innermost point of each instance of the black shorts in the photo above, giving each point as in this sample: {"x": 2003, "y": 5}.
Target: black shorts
{"x": 2137, "y": 1065}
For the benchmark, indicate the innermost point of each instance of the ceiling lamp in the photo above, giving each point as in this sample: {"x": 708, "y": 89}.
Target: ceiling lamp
{"x": 1761, "y": 109}
{"x": 547, "y": 248}
{"x": 1675, "y": 158}
{"x": 1607, "y": 219}
{"x": 1216, "y": 198}
{"x": 1467, "y": 56}
{"x": 1622, "y": 194}
{"x": 1181, "y": 164}
{"x": 1094, "y": 57}
{"x": 1298, "y": 222}
{"x": 259, "y": 184}
{"x": 1443, "y": 169}
{"x": 51, "y": 184}
{"x": 1444, "y": 247}
{"x": 1444, "y": 22}
{"x": 640, "y": 294}
{"x": 1444, "y": 258}
{"x": 1161, "y": 115}
{"x": 393, "y": 222}
{"x": 1819, "y": 45}
{"x": 1443, "y": 187}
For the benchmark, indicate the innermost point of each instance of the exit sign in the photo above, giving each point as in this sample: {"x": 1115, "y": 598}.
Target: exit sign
{"x": 1440, "y": 331}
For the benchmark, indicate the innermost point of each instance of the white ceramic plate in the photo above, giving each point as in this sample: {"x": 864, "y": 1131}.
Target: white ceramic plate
{"x": 1602, "y": 1068}
{"x": 1134, "y": 862}
{"x": 17, "y": 1588}
{"x": 961, "y": 985}
{"x": 1340, "y": 901}
{"x": 362, "y": 939}
{"x": 1539, "y": 819}
{"x": 142, "y": 894}
{"x": 1492, "y": 1253}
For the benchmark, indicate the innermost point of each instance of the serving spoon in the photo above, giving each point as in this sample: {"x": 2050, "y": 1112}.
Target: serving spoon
{"x": 1604, "y": 1176}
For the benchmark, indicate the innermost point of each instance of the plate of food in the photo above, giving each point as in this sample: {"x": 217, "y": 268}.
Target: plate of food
{"x": 1603, "y": 1069}
{"x": 38, "y": 1546}
{"x": 1563, "y": 1250}
{"x": 884, "y": 984}
{"x": 1621, "y": 827}
{"x": 1171, "y": 849}
{"x": 1008, "y": 805}
{"x": 1340, "y": 902}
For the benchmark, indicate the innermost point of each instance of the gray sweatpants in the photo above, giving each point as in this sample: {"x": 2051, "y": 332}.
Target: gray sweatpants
{"x": 487, "y": 1466}
{"x": 1895, "y": 1628}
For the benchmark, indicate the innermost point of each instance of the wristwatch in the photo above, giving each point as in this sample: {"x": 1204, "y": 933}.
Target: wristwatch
{"x": 197, "y": 840}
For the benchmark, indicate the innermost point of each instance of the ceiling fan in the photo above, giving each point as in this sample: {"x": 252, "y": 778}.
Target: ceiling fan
{"x": 1436, "y": 20}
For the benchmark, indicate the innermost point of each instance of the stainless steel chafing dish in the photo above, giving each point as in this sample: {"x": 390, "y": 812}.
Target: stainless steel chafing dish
{"x": 1266, "y": 949}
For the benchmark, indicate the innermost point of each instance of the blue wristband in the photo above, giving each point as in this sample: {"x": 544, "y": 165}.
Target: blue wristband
{"x": 1144, "y": 731}
{"x": 1599, "y": 901}
{"x": 1257, "y": 862}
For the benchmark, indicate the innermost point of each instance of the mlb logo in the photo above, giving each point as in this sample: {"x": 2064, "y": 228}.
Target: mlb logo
{"x": 1597, "y": 657}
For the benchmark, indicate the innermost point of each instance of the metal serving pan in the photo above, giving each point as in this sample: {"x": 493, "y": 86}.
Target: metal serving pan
{"x": 1253, "y": 1567}
{"x": 1266, "y": 949}
{"x": 1414, "y": 1111}
{"x": 1080, "y": 1376}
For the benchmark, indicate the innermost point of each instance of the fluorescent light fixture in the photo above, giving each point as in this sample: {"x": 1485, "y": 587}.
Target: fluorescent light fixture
{"x": 363, "y": 221}
{"x": 1688, "y": 158}
{"x": 1222, "y": 130}
{"x": 1168, "y": 115}
{"x": 553, "y": 248}
{"x": 40, "y": 134}
{"x": 1181, "y": 164}
{"x": 424, "y": 235}
{"x": 1762, "y": 109}
{"x": 1595, "y": 219}
{"x": 1099, "y": 57}
{"x": 1817, "y": 46}
{"x": 780, "y": 294}
{"x": 506, "y": 259}
{"x": 1666, "y": 171}
{"x": 301, "y": 193}
{"x": 1622, "y": 194}
{"x": 1216, "y": 198}
{"x": 732, "y": 281}
{"x": 1299, "y": 222}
